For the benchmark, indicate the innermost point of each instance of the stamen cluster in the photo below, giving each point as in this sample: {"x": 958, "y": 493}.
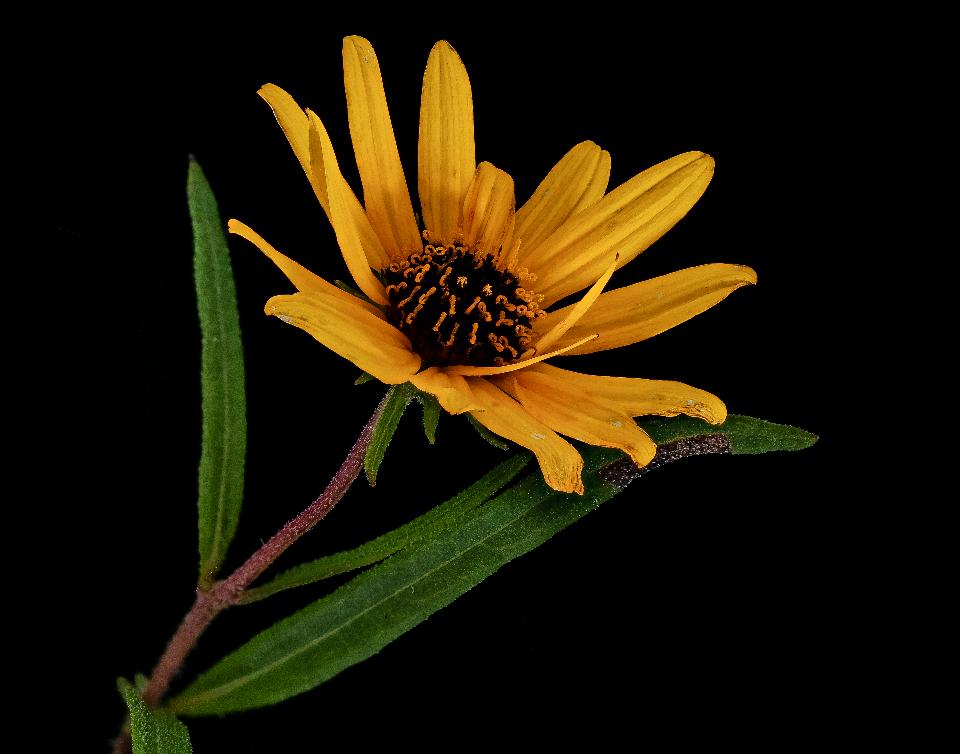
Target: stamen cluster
{"x": 458, "y": 307}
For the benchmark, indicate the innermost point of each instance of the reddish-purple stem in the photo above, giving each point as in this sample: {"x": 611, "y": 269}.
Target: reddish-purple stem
{"x": 226, "y": 593}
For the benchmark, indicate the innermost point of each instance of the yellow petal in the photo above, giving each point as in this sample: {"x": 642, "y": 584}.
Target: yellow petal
{"x": 626, "y": 221}
{"x": 347, "y": 328}
{"x": 578, "y": 181}
{"x": 635, "y": 397}
{"x": 385, "y": 193}
{"x": 567, "y": 410}
{"x": 576, "y": 312}
{"x": 488, "y": 209}
{"x": 636, "y": 312}
{"x": 446, "y": 157}
{"x": 300, "y": 276}
{"x": 296, "y": 126}
{"x": 560, "y": 462}
{"x": 471, "y": 371}
{"x": 451, "y": 390}
{"x": 354, "y": 233}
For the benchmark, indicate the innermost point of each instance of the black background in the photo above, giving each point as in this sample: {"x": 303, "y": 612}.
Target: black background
{"x": 706, "y": 599}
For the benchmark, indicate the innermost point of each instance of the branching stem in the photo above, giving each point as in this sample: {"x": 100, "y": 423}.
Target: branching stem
{"x": 227, "y": 592}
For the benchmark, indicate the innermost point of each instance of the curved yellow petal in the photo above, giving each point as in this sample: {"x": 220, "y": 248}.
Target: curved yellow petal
{"x": 576, "y": 312}
{"x": 300, "y": 276}
{"x": 468, "y": 370}
{"x": 296, "y": 127}
{"x": 578, "y": 181}
{"x": 560, "y": 462}
{"x": 354, "y": 233}
{"x": 633, "y": 396}
{"x": 446, "y": 158}
{"x": 570, "y": 412}
{"x": 626, "y": 221}
{"x": 348, "y": 328}
{"x": 488, "y": 209}
{"x": 450, "y": 390}
{"x": 640, "y": 311}
{"x": 385, "y": 194}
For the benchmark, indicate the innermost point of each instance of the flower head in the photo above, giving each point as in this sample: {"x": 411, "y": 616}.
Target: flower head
{"x": 463, "y": 307}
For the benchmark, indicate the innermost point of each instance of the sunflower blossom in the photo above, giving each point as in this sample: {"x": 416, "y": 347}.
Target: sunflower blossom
{"x": 463, "y": 307}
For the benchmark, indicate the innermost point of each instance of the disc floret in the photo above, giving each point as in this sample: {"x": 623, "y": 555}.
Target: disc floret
{"x": 459, "y": 305}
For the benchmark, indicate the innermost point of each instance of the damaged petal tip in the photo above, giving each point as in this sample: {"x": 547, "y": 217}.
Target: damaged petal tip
{"x": 273, "y": 310}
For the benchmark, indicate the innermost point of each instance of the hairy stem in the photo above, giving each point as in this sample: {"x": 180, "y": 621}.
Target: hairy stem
{"x": 227, "y": 592}
{"x": 623, "y": 472}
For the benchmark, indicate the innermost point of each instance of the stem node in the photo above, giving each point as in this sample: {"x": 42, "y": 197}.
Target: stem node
{"x": 211, "y": 600}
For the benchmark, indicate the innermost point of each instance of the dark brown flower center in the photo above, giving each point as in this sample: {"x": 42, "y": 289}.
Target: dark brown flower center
{"x": 458, "y": 307}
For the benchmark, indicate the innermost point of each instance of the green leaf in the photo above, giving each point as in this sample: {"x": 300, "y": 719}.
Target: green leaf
{"x": 442, "y": 516}
{"x": 221, "y": 379}
{"x": 153, "y": 732}
{"x": 486, "y": 434}
{"x": 380, "y": 604}
{"x": 363, "y": 379}
{"x": 376, "y": 607}
{"x": 747, "y": 435}
{"x": 431, "y": 415}
{"x": 398, "y": 398}
{"x": 353, "y": 291}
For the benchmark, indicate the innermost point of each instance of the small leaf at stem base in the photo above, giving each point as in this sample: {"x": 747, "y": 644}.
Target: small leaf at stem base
{"x": 153, "y": 732}
{"x": 398, "y": 398}
{"x": 431, "y": 415}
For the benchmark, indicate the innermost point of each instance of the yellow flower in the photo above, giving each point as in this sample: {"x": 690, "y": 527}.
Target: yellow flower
{"x": 462, "y": 308}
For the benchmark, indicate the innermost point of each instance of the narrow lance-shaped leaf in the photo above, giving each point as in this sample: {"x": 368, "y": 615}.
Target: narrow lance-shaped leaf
{"x": 221, "y": 379}
{"x": 398, "y": 398}
{"x": 379, "y": 605}
{"x": 746, "y": 434}
{"x": 376, "y": 607}
{"x": 153, "y": 732}
{"x": 437, "y": 518}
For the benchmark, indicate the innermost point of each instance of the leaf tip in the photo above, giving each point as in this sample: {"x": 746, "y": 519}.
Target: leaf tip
{"x": 124, "y": 687}
{"x": 749, "y": 435}
{"x": 486, "y": 434}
